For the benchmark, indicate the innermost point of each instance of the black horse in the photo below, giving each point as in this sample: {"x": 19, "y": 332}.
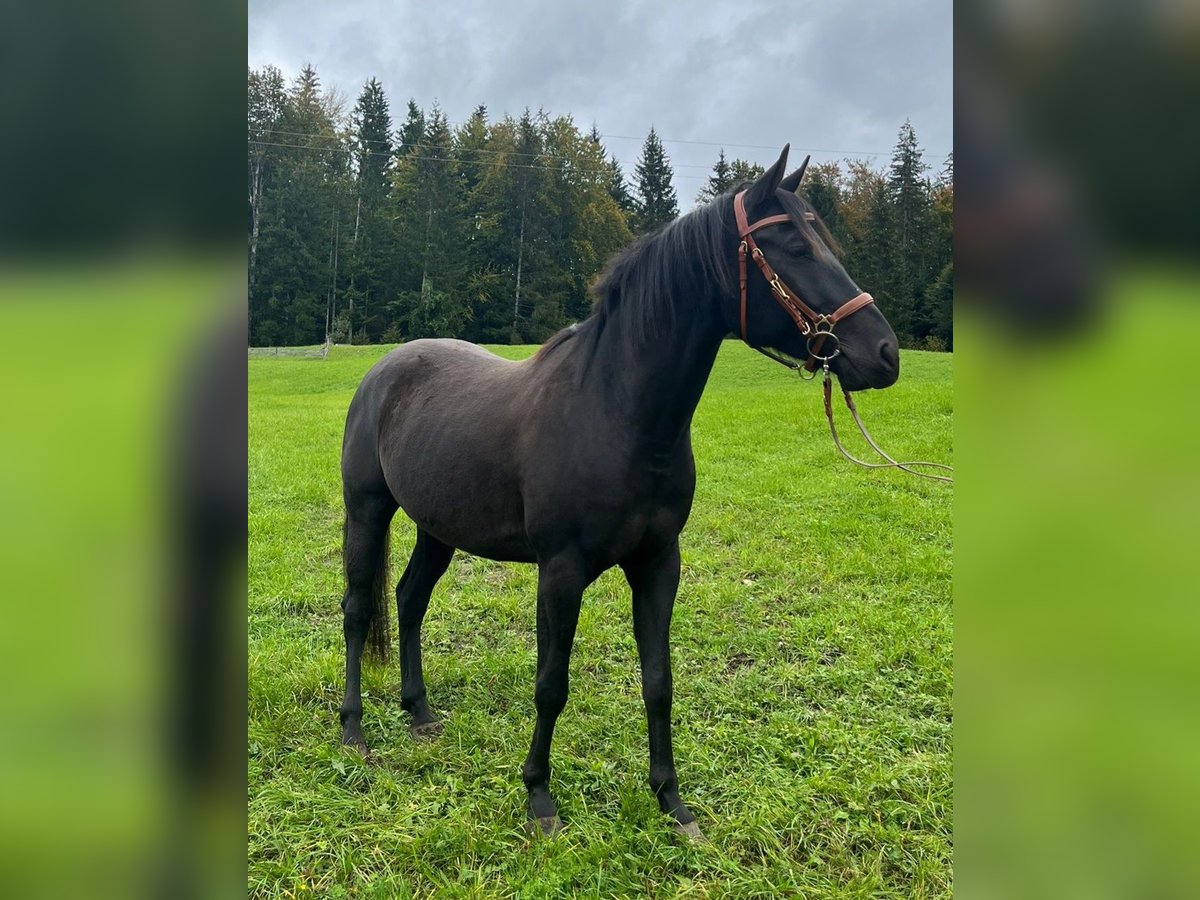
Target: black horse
{"x": 579, "y": 458}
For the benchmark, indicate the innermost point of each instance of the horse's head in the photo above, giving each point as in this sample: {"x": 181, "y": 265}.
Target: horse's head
{"x": 812, "y": 292}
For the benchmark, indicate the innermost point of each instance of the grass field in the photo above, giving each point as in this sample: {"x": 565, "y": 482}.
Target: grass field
{"x": 811, "y": 646}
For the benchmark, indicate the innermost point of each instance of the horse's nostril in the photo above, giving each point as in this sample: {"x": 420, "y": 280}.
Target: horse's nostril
{"x": 889, "y": 352}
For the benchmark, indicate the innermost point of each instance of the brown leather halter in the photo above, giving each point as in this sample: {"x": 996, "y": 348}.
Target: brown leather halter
{"x": 815, "y": 327}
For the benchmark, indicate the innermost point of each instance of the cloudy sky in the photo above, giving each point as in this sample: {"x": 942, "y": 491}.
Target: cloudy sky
{"x": 834, "y": 77}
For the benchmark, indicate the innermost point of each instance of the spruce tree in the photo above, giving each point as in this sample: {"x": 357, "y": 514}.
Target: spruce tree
{"x": 531, "y": 183}
{"x": 657, "y": 204}
{"x": 408, "y": 138}
{"x": 427, "y": 207}
{"x": 718, "y": 182}
{"x": 494, "y": 232}
{"x": 266, "y": 104}
{"x": 743, "y": 172}
{"x": 372, "y": 142}
{"x": 822, "y": 187}
{"x": 296, "y": 277}
{"x": 618, "y": 189}
{"x": 470, "y": 149}
{"x": 367, "y": 258}
{"x": 880, "y": 263}
{"x": 938, "y": 306}
{"x": 910, "y": 189}
{"x": 913, "y": 238}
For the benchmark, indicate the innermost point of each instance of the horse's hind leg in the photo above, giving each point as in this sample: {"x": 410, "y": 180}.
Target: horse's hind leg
{"x": 364, "y": 551}
{"x": 429, "y": 561}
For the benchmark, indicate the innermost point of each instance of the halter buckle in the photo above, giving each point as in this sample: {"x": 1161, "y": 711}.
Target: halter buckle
{"x": 777, "y": 285}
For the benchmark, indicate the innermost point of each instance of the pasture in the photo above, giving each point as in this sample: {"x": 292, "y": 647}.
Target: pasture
{"x": 811, "y": 647}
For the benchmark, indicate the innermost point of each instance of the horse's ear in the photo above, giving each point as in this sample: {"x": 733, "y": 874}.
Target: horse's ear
{"x": 791, "y": 184}
{"x": 764, "y": 186}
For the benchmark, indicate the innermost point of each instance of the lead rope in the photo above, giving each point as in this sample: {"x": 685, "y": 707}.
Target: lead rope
{"x": 891, "y": 463}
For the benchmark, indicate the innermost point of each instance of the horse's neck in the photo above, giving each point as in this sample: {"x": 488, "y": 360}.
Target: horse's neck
{"x": 657, "y": 385}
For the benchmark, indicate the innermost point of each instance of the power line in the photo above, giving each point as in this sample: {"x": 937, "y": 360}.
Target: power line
{"x": 604, "y": 173}
{"x": 432, "y": 158}
{"x": 398, "y": 146}
{"x": 628, "y": 137}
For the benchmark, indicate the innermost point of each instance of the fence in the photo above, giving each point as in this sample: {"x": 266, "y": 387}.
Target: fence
{"x": 317, "y": 351}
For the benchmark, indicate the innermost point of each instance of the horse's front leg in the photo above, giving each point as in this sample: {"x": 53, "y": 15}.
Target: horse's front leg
{"x": 654, "y": 581}
{"x": 561, "y": 582}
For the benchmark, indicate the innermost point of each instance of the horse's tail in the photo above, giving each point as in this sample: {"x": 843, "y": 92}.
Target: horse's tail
{"x": 378, "y": 638}
{"x": 378, "y": 641}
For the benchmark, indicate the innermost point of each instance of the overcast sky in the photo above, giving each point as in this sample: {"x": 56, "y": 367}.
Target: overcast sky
{"x": 834, "y": 77}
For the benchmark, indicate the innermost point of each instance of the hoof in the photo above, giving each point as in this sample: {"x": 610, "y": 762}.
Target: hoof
{"x": 426, "y": 731}
{"x": 359, "y": 746}
{"x": 692, "y": 832}
{"x": 546, "y": 826}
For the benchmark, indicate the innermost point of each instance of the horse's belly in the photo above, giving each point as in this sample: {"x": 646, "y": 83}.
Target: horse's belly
{"x": 513, "y": 549}
{"x": 462, "y": 494}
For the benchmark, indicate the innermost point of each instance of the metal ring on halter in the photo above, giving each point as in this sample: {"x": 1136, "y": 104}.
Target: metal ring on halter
{"x": 813, "y": 374}
{"x": 826, "y": 335}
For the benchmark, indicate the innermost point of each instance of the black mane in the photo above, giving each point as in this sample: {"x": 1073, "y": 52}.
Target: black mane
{"x": 642, "y": 287}
{"x": 684, "y": 260}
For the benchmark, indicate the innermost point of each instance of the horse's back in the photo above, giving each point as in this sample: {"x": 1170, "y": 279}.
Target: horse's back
{"x": 437, "y": 422}
{"x": 419, "y": 360}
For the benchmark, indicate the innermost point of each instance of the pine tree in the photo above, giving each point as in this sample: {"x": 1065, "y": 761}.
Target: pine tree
{"x": 946, "y": 176}
{"x": 494, "y": 232}
{"x": 914, "y": 232}
{"x": 910, "y": 189}
{"x": 938, "y": 299}
{"x": 718, "y": 182}
{"x": 822, "y": 187}
{"x": 618, "y": 189}
{"x": 939, "y": 307}
{"x": 880, "y": 262}
{"x": 372, "y": 142}
{"x": 296, "y": 282}
{"x": 657, "y": 204}
{"x": 470, "y": 148}
{"x": 408, "y": 138}
{"x": 942, "y": 198}
{"x": 368, "y": 260}
{"x": 743, "y": 172}
{"x": 867, "y": 235}
{"x": 530, "y": 183}
{"x": 427, "y": 206}
{"x": 266, "y": 104}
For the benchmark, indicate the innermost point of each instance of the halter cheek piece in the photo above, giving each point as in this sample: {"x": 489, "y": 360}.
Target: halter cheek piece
{"x": 816, "y": 327}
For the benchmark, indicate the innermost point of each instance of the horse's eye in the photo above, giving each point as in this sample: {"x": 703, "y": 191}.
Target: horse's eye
{"x": 797, "y": 244}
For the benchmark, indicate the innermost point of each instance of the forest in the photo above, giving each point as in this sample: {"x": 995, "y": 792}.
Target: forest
{"x": 363, "y": 228}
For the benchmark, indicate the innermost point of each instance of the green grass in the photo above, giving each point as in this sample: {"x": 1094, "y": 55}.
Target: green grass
{"x": 811, "y": 646}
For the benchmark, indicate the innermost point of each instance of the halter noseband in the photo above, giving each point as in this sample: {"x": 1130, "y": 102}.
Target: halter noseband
{"x": 815, "y": 327}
